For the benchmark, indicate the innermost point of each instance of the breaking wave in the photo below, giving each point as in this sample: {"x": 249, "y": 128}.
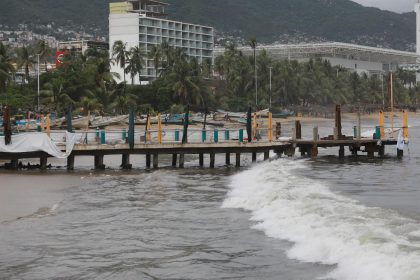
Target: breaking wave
{"x": 360, "y": 242}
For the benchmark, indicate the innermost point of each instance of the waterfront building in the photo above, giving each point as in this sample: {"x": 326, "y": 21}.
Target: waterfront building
{"x": 79, "y": 47}
{"x": 145, "y": 23}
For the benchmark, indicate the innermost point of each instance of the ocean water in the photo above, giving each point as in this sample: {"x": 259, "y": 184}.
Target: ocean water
{"x": 287, "y": 218}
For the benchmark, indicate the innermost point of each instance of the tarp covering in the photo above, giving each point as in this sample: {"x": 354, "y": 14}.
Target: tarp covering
{"x": 37, "y": 142}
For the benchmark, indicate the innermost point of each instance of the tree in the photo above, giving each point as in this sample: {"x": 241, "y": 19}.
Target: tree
{"x": 25, "y": 60}
{"x": 155, "y": 54}
{"x": 252, "y": 42}
{"x": 120, "y": 55}
{"x": 43, "y": 50}
{"x": 6, "y": 67}
{"x": 135, "y": 63}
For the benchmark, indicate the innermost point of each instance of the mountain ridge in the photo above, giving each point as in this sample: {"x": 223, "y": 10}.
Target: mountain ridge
{"x": 268, "y": 20}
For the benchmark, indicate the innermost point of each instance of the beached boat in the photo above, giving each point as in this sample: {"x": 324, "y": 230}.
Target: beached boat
{"x": 106, "y": 121}
{"x": 283, "y": 114}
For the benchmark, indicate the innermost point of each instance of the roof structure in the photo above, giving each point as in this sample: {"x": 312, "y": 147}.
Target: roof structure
{"x": 151, "y": 2}
{"x": 334, "y": 49}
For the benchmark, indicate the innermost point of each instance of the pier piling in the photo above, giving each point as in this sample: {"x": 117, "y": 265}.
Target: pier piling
{"x": 174, "y": 159}
{"x": 148, "y": 160}
{"x": 43, "y": 162}
{"x": 212, "y": 159}
{"x": 201, "y": 159}
{"x": 227, "y": 158}
{"x": 155, "y": 160}
{"x": 99, "y": 162}
{"x": 238, "y": 160}
{"x": 70, "y": 162}
{"x": 254, "y": 157}
{"x": 125, "y": 162}
{"x": 181, "y": 160}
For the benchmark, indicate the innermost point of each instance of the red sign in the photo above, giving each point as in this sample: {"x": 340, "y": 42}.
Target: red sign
{"x": 59, "y": 58}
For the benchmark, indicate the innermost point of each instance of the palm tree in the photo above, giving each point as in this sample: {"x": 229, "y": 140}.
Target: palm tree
{"x": 155, "y": 54}
{"x": 252, "y": 42}
{"x": 135, "y": 63}
{"x": 6, "y": 67}
{"x": 25, "y": 60}
{"x": 120, "y": 54}
{"x": 43, "y": 50}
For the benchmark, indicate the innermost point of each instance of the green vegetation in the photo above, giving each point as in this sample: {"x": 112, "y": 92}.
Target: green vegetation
{"x": 85, "y": 82}
{"x": 269, "y": 20}
{"x": 303, "y": 84}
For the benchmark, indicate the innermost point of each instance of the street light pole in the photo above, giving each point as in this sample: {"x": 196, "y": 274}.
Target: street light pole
{"x": 256, "y": 78}
{"x": 38, "y": 82}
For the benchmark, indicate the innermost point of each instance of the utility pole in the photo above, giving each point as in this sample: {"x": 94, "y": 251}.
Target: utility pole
{"x": 256, "y": 77}
{"x": 38, "y": 82}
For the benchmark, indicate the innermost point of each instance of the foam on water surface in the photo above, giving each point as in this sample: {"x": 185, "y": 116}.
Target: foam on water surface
{"x": 360, "y": 242}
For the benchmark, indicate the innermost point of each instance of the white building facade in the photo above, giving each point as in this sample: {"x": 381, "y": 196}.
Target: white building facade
{"x": 143, "y": 23}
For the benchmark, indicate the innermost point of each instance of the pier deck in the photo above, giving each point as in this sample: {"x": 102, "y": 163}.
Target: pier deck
{"x": 306, "y": 147}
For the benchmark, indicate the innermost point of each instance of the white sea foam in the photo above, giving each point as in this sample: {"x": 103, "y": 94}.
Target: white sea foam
{"x": 364, "y": 243}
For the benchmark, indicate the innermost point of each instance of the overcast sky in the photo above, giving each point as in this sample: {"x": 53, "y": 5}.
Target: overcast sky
{"x": 392, "y": 5}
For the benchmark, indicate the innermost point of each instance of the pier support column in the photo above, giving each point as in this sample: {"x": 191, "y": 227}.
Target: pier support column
{"x": 314, "y": 152}
{"x": 238, "y": 159}
{"x": 155, "y": 160}
{"x": 370, "y": 151}
{"x": 181, "y": 160}
{"x": 381, "y": 151}
{"x": 212, "y": 159}
{"x": 201, "y": 159}
{"x": 341, "y": 152}
{"x": 99, "y": 162}
{"x": 354, "y": 150}
{"x": 125, "y": 162}
{"x": 254, "y": 157}
{"x": 70, "y": 162}
{"x": 227, "y": 158}
{"x": 266, "y": 155}
{"x": 400, "y": 153}
{"x": 14, "y": 164}
{"x": 174, "y": 159}
{"x": 43, "y": 162}
{"x": 148, "y": 160}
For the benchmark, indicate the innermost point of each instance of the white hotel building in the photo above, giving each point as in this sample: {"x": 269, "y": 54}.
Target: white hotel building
{"x": 144, "y": 23}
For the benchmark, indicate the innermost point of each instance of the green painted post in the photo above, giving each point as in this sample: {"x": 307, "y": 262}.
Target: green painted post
{"x": 177, "y": 135}
{"x": 355, "y": 131}
{"x": 203, "y": 135}
{"x": 103, "y": 140}
{"x": 241, "y": 135}
{"x": 124, "y": 134}
{"x": 378, "y": 132}
{"x": 216, "y": 136}
{"x": 97, "y": 135}
{"x": 227, "y": 135}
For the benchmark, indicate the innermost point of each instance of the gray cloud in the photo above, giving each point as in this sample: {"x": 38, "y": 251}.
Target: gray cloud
{"x": 392, "y": 5}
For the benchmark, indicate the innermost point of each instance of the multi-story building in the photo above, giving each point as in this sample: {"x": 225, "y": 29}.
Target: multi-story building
{"x": 81, "y": 46}
{"x": 144, "y": 23}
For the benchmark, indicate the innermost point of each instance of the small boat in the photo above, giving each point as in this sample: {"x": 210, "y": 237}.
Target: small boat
{"x": 106, "y": 121}
{"x": 222, "y": 115}
{"x": 283, "y": 114}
